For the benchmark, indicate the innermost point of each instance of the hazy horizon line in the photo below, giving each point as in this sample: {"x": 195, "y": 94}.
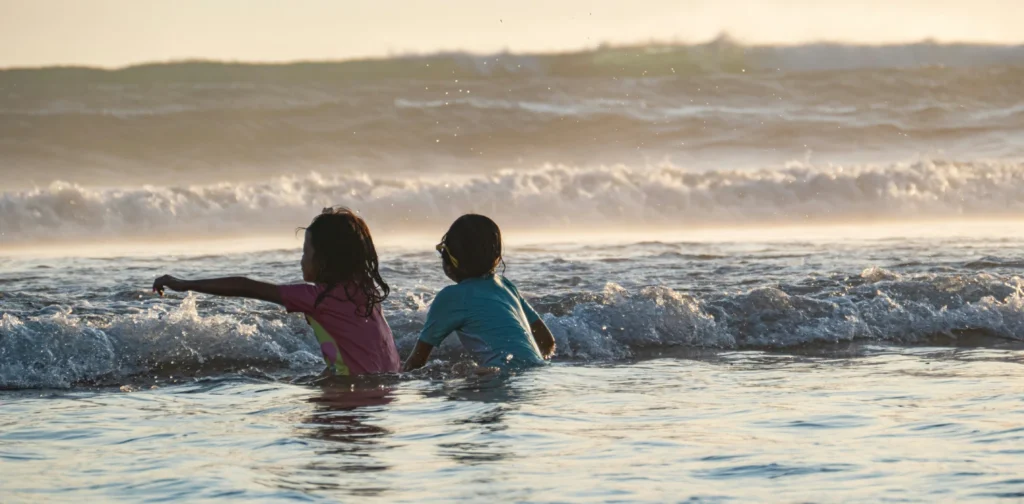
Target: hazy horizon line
{"x": 723, "y": 38}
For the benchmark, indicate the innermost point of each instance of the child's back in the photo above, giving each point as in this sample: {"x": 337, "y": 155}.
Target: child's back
{"x": 491, "y": 318}
{"x": 342, "y": 302}
{"x": 485, "y": 309}
{"x": 351, "y": 343}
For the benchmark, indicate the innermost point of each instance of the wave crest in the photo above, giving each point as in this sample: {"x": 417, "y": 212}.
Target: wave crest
{"x": 53, "y": 347}
{"x": 553, "y": 197}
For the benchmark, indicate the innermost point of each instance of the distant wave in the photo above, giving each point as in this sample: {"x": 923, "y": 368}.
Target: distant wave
{"x": 553, "y": 197}
{"x": 189, "y": 123}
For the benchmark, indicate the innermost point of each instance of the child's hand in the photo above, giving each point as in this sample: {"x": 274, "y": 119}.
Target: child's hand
{"x": 169, "y": 282}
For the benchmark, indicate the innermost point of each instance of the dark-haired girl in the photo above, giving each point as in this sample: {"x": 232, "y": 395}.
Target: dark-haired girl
{"x": 492, "y": 320}
{"x": 343, "y": 302}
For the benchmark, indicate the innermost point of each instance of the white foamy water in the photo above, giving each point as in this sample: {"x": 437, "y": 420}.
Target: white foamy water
{"x": 69, "y": 322}
{"x": 554, "y": 197}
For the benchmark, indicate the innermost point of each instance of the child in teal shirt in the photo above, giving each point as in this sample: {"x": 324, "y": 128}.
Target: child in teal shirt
{"x": 492, "y": 319}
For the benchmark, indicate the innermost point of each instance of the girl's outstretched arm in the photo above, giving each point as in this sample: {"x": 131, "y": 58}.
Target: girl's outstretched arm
{"x": 545, "y": 340}
{"x": 231, "y": 287}
{"x": 418, "y": 357}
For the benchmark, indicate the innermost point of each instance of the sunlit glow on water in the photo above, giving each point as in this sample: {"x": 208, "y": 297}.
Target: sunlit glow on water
{"x": 927, "y": 424}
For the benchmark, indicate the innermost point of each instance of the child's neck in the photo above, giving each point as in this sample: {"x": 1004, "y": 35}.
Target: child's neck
{"x": 485, "y": 275}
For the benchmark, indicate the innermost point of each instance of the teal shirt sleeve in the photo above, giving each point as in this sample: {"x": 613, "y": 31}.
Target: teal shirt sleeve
{"x": 531, "y": 314}
{"x": 446, "y": 314}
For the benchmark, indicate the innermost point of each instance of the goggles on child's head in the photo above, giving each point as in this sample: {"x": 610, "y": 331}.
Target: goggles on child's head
{"x": 442, "y": 249}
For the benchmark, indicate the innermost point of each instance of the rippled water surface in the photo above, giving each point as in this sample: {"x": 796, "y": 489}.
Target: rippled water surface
{"x": 911, "y": 425}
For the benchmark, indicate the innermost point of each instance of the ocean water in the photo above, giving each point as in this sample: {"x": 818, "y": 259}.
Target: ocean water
{"x": 773, "y": 274}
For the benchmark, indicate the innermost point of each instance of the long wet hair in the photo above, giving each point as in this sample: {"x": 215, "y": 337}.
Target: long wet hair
{"x": 475, "y": 243}
{"x": 343, "y": 254}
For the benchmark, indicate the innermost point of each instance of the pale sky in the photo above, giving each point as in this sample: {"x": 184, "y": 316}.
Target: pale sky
{"x": 114, "y": 33}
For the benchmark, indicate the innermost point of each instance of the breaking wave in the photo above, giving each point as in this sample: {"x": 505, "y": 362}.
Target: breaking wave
{"x": 553, "y": 197}
{"x": 59, "y": 347}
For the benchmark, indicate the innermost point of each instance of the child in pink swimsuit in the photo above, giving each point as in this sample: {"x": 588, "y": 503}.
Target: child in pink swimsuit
{"x": 342, "y": 303}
